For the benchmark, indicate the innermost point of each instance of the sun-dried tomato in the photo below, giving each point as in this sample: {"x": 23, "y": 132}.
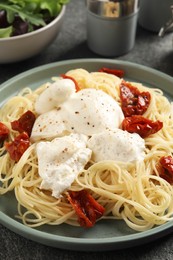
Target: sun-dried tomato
{"x": 141, "y": 125}
{"x": 64, "y": 76}
{"x": 133, "y": 101}
{"x": 117, "y": 72}
{"x": 17, "y": 147}
{"x": 4, "y": 132}
{"x": 24, "y": 123}
{"x": 166, "y": 169}
{"x": 86, "y": 207}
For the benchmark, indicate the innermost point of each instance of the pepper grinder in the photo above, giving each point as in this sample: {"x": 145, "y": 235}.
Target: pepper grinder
{"x": 111, "y": 26}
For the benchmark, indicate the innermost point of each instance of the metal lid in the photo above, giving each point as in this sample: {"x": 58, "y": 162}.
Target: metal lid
{"x": 113, "y": 8}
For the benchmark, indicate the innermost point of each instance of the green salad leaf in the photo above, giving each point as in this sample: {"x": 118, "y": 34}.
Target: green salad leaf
{"x": 23, "y": 13}
{"x": 6, "y": 32}
{"x": 52, "y": 6}
{"x": 34, "y": 12}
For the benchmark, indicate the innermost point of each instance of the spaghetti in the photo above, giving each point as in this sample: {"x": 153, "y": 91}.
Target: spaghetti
{"x": 133, "y": 192}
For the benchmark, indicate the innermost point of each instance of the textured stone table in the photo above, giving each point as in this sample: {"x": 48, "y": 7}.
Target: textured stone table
{"x": 149, "y": 50}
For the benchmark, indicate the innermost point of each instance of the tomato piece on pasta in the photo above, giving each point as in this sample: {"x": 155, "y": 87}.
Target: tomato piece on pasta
{"x": 133, "y": 101}
{"x": 141, "y": 125}
{"x": 24, "y": 123}
{"x": 86, "y": 207}
{"x": 166, "y": 169}
{"x": 17, "y": 147}
{"x": 64, "y": 76}
{"x": 119, "y": 73}
{"x": 4, "y": 132}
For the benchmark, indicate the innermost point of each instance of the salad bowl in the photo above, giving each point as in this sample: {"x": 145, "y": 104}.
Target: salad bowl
{"x": 27, "y": 45}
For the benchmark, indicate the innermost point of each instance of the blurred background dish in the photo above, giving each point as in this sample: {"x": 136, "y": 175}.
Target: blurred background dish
{"x": 18, "y": 48}
{"x": 154, "y": 14}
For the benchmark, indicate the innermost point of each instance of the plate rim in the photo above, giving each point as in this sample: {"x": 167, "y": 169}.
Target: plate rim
{"x": 66, "y": 242}
{"x": 87, "y": 60}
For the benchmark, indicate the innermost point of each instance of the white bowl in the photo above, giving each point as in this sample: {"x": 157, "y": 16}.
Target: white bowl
{"x": 18, "y": 48}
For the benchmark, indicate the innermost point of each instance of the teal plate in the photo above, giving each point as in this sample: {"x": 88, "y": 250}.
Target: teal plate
{"x": 106, "y": 234}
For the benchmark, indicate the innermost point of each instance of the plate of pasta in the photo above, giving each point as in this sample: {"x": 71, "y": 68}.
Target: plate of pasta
{"x": 86, "y": 154}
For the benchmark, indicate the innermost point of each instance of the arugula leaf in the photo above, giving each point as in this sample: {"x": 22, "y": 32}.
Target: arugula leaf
{"x": 17, "y": 2}
{"x": 6, "y": 32}
{"x": 12, "y": 10}
{"x": 52, "y": 6}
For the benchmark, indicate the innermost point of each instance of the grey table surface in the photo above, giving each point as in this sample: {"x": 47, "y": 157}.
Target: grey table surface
{"x": 149, "y": 50}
